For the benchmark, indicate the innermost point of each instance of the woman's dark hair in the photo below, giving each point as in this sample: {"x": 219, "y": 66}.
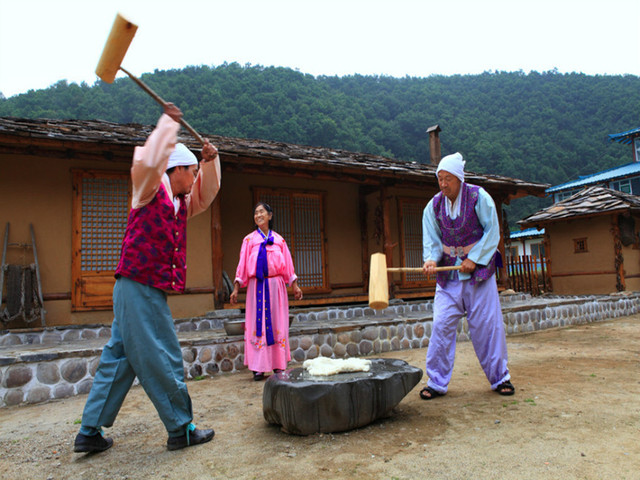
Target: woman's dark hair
{"x": 268, "y": 208}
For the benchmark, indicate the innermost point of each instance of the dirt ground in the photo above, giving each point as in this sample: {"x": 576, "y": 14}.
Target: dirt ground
{"x": 575, "y": 415}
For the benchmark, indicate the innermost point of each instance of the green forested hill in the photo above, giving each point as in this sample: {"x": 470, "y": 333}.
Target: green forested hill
{"x": 546, "y": 127}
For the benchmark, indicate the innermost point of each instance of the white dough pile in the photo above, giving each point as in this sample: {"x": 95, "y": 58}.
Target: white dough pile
{"x": 331, "y": 366}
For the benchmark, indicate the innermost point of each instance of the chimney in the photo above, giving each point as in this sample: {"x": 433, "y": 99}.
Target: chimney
{"x": 434, "y": 144}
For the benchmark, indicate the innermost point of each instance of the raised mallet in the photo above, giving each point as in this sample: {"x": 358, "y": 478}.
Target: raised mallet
{"x": 120, "y": 37}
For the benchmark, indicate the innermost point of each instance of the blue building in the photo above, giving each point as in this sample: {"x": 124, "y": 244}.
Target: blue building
{"x": 625, "y": 178}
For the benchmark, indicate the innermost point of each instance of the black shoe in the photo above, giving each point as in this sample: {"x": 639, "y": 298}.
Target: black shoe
{"x": 191, "y": 438}
{"x": 257, "y": 376}
{"x": 91, "y": 444}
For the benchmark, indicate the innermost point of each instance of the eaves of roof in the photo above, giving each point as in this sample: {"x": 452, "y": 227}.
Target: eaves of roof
{"x": 625, "y": 137}
{"x": 103, "y": 138}
{"x": 592, "y": 201}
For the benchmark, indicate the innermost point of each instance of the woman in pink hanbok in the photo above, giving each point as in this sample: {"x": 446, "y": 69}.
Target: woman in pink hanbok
{"x": 265, "y": 268}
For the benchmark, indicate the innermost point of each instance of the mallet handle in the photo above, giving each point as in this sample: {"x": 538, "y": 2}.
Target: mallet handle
{"x": 419, "y": 269}
{"x": 157, "y": 98}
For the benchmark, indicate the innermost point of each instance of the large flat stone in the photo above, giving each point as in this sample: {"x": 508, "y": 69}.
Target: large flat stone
{"x": 304, "y": 404}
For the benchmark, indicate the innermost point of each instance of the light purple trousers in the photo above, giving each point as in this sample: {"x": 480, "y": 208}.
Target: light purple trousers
{"x": 486, "y": 328}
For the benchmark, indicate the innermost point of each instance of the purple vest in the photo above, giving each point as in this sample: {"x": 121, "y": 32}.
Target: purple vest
{"x": 154, "y": 249}
{"x": 464, "y": 230}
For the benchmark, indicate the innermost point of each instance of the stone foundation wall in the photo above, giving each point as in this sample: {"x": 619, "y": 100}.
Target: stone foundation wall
{"x": 37, "y": 376}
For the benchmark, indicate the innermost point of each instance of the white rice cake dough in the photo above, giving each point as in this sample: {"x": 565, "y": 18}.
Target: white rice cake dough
{"x": 323, "y": 366}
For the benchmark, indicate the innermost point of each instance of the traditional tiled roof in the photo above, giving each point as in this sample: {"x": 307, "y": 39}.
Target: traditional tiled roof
{"x": 588, "y": 202}
{"x": 269, "y": 155}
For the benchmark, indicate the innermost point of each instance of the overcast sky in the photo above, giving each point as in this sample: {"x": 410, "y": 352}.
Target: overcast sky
{"x": 44, "y": 41}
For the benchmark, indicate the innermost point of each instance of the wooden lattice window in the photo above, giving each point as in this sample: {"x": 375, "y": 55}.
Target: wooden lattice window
{"x": 580, "y": 245}
{"x": 101, "y": 203}
{"x": 299, "y": 218}
{"x": 410, "y": 222}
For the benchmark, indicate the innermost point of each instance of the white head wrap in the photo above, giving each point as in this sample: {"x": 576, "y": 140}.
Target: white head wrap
{"x": 454, "y": 164}
{"x": 181, "y": 157}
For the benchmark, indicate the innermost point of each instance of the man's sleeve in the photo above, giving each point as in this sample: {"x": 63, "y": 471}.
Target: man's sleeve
{"x": 431, "y": 235}
{"x": 150, "y": 161}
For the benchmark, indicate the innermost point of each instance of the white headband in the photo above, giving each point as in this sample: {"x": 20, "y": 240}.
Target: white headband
{"x": 181, "y": 156}
{"x": 454, "y": 164}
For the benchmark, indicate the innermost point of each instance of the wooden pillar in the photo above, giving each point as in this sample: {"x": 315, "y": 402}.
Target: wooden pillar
{"x": 617, "y": 251}
{"x": 386, "y": 231}
{"x": 547, "y": 254}
{"x": 364, "y": 236}
{"x": 216, "y": 252}
{"x": 504, "y": 279}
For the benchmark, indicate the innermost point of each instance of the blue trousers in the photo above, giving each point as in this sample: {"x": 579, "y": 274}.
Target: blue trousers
{"x": 486, "y": 328}
{"x": 143, "y": 344}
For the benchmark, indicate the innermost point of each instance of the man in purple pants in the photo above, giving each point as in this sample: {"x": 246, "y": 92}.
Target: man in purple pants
{"x": 460, "y": 227}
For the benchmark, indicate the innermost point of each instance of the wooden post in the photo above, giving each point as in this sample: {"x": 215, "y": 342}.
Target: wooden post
{"x": 547, "y": 254}
{"x": 386, "y": 230}
{"x": 364, "y": 236}
{"x": 618, "y": 257}
{"x": 216, "y": 252}
{"x": 504, "y": 279}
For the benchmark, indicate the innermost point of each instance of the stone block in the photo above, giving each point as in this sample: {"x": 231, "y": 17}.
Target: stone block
{"x": 195, "y": 371}
{"x": 326, "y": 351}
{"x": 356, "y": 336}
{"x": 306, "y": 342}
{"x": 14, "y": 397}
{"x": 48, "y": 373}
{"x": 298, "y": 355}
{"x": 238, "y": 363}
{"x": 88, "y": 334}
{"x": 74, "y": 370}
{"x": 366, "y": 347}
{"x": 303, "y": 404}
{"x": 339, "y": 350}
{"x": 38, "y": 394}
{"x": 313, "y": 352}
{"x": 17, "y": 376}
{"x": 226, "y": 365}
{"x": 104, "y": 332}
{"x": 233, "y": 350}
{"x": 62, "y": 390}
{"x": 9, "y": 340}
{"x": 84, "y": 386}
{"x": 205, "y": 355}
{"x": 370, "y": 333}
{"x": 189, "y": 354}
{"x": 211, "y": 368}
{"x": 352, "y": 349}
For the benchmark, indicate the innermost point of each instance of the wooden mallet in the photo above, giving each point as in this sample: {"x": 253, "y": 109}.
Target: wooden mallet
{"x": 379, "y": 284}
{"x": 122, "y": 33}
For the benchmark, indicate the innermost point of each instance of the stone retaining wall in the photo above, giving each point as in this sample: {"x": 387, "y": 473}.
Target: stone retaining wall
{"x": 41, "y": 374}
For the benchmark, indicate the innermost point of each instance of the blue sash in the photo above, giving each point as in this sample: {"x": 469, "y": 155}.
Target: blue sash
{"x": 262, "y": 272}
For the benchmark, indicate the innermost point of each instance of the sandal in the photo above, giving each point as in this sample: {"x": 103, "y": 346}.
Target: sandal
{"x": 506, "y": 388}
{"x": 428, "y": 393}
{"x": 257, "y": 376}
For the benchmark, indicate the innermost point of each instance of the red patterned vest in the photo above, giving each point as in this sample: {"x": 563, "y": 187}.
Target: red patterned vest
{"x": 154, "y": 249}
